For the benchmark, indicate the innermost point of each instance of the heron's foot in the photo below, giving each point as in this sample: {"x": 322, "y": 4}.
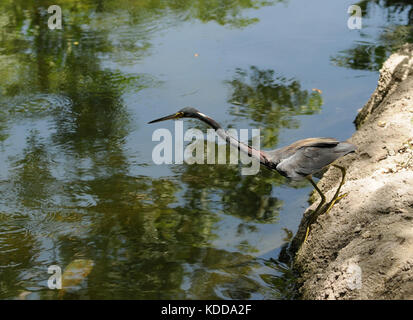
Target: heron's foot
{"x": 307, "y": 232}
{"x": 333, "y": 202}
{"x": 312, "y": 218}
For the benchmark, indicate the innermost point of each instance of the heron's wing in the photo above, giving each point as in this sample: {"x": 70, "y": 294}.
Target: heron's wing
{"x": 309, "y": 160}
{"x": 283, "y": 153}
{"x": 314, "y": 142}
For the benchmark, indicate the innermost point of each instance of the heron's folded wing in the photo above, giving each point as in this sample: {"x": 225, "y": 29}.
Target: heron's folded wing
{"x": 309, "y": 160}
{"x": 316, "y": 142}
{"x": 313, "y": 159}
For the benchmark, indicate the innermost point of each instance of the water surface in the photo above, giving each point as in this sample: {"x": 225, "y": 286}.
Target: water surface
{"x": 77, "y": 180}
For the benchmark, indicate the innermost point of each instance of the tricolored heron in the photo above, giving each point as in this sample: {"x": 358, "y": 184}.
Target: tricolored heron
{"x": 300, "y": 160}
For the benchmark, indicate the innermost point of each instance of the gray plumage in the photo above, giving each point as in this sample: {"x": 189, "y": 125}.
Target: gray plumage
{"x": 308, "y": 156}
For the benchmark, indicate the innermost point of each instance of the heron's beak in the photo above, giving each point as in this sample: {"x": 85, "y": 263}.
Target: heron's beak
{"x": 170, "y": 117}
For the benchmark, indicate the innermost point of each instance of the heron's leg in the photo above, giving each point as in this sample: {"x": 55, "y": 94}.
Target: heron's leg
{"x": 315, "y": 214}
{"x": 336, "y": 197}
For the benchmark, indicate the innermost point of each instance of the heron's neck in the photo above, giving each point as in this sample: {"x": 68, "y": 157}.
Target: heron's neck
{"x": 252, "y": 152}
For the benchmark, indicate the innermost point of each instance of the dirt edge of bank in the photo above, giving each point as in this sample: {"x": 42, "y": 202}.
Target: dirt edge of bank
{"x": 363, "y": 248}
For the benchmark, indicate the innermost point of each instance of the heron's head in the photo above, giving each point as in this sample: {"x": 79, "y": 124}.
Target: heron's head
{"x": 187, "y": 112}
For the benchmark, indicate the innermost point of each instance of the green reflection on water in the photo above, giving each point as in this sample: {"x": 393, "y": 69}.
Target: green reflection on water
{"x": 68, "y": 194}
{"x": 370, "y": 55}
{"x": 271, "y": 101}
